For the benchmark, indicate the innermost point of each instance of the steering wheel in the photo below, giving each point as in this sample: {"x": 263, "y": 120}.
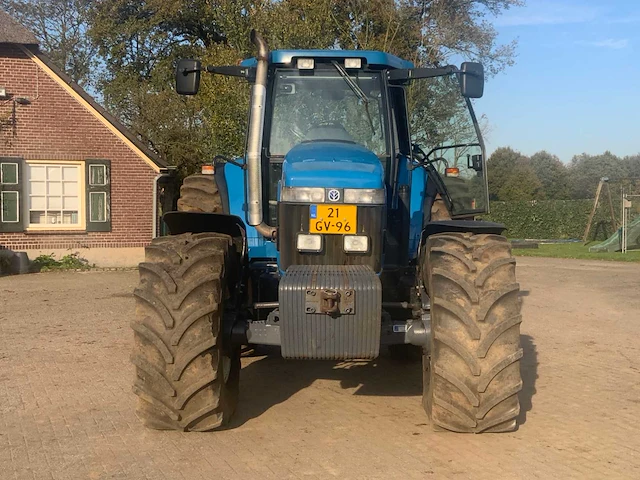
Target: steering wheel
{"x": 424, "y": 160}
{"x": 326, "y": 125}
{"x": 328, "y": 131}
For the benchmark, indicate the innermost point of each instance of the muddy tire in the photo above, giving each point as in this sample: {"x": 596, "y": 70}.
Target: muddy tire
{"x": 472, "y": 375}
{"x": 199, "y": 193}
{"x": 185, "y": 379}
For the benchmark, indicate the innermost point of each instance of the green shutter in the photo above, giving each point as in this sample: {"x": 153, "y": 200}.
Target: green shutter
{"x": 12, "y": 201}
{"x": 98, "y": 183}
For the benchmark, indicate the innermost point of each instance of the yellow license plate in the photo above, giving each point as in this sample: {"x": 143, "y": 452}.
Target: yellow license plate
{"x": 337, "y": 219}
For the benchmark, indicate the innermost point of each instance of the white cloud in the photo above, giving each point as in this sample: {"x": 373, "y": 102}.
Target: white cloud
{"x": 547, "y": 13}
{"x": 624, "y": 20}
{"x": 613, "y": 43}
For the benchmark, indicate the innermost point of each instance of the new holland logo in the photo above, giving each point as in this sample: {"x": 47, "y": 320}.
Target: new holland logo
{"x": 333, "y": 195}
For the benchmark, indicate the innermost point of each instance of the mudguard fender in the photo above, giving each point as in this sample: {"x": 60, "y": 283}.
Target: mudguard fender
{"x": 461, "y": 226}
{"x": 197, "y": 222}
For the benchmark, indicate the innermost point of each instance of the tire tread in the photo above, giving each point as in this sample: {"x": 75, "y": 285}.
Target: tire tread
{"x": 177, "y": 342}
{"x": 199, "y": 193}
{"x": 472, "y": 373}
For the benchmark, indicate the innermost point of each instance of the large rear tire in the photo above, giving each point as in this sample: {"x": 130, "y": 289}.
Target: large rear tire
{"x": 185, "y": 378}
{"x": 472, "y": 375}
{"x": 199, "y": 193}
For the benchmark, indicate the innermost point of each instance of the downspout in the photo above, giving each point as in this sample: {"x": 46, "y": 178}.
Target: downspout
{"x": 254, "y": 140}
{"x": 155, "y": 204}
{"x": 168, "y": 173}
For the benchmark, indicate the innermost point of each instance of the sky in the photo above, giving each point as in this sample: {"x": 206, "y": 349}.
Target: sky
{"x": 575, "y": 87}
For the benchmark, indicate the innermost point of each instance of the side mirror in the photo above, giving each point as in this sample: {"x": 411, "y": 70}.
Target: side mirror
{"x": 474, "y": 162}
{"x": 472, "y": 81}
{"x": 188, "y": 76}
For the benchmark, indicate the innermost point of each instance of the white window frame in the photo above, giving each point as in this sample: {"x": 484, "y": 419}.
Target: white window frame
{"x": 104, "y": 213}
{"x": 17, "y": 182}
{"x": 104, "y": 175}
{"x": 2, "y": 194}
{"x": 82, "y": 221}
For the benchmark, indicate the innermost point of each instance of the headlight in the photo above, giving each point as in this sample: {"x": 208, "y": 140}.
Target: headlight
{"x": 302, "y": 195}
{"x": 356, "y": 243}
{"x": 364, "y": 195}
{"x": 309, "y": 243}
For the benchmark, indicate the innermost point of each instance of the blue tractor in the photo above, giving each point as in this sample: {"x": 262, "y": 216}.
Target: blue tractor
{"x": 348, "y": 226}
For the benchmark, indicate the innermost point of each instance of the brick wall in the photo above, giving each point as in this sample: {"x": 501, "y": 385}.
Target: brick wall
{"x": 57, "y": 127}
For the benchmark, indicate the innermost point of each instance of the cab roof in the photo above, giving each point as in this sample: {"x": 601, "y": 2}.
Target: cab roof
{"x": 372, "y": 58}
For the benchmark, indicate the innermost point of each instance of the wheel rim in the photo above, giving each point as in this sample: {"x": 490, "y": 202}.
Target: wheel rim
{"x": 226, "y": 368}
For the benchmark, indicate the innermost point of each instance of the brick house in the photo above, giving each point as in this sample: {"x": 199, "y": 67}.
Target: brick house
{"x": 72, "y": 178}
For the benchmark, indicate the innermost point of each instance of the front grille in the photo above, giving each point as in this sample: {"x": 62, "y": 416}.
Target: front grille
{"x": 293, "y": 218}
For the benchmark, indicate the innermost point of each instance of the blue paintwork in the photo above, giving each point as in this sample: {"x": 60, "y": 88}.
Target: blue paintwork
{"x": 259, "y": 247}
{"x": 416, "y": 202}
{"x": 332, "y": 164}
{"x": 373, "y": 58}
{"x": 417, "y": 182}
{"x": 404, "y": 173}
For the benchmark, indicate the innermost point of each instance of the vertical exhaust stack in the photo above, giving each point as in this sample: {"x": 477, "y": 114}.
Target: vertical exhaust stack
{"x": 254, "y": 139}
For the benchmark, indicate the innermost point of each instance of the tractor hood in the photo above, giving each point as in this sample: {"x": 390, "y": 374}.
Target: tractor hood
{"x": 332, "y": 164}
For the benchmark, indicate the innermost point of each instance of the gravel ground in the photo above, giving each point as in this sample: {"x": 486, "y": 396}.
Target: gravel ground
{"x": 67, "y": 411}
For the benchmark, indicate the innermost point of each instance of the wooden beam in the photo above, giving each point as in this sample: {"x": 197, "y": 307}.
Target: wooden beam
{"x": 593, "y": 212}
{"x": 614, "y": 222}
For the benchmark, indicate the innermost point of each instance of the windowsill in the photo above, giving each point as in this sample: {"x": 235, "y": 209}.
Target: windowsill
{"x": 55, "y": 231}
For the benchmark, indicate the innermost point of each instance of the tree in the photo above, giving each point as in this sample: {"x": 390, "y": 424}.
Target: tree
{"x": 500, "y": 166}
{"x": 586, "y": 170}
{"x": 450, "y": 28}
{"x": 631, "y": 166}
{"x": 521, "y": 184}
{"x": 140, "y": 41}
{"x": 61, "y": 28}
{"x": 552, "y": 174}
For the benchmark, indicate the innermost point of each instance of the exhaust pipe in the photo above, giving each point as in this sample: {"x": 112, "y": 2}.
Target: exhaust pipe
{"x": 254, "y": 140}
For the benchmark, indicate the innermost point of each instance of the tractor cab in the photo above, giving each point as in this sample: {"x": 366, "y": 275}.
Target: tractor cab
{"x": 348, "y": 100}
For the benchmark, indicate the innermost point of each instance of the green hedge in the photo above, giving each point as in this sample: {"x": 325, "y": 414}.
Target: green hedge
{"x": 552, "y": 219}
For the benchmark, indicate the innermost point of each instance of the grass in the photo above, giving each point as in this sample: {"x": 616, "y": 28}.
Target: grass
{"x": 576, "y": 250}
{"x": 72, "y": 261}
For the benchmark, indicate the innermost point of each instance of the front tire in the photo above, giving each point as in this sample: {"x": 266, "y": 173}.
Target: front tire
{"x": 472, "y": 372}
{"x": 185, "y": 378}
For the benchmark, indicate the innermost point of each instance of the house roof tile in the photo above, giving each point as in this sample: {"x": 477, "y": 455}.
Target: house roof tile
{"x": 11, "y": 31}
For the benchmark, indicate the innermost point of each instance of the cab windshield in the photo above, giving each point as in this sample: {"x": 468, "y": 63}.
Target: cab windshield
{"x": 321, "y": 105}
